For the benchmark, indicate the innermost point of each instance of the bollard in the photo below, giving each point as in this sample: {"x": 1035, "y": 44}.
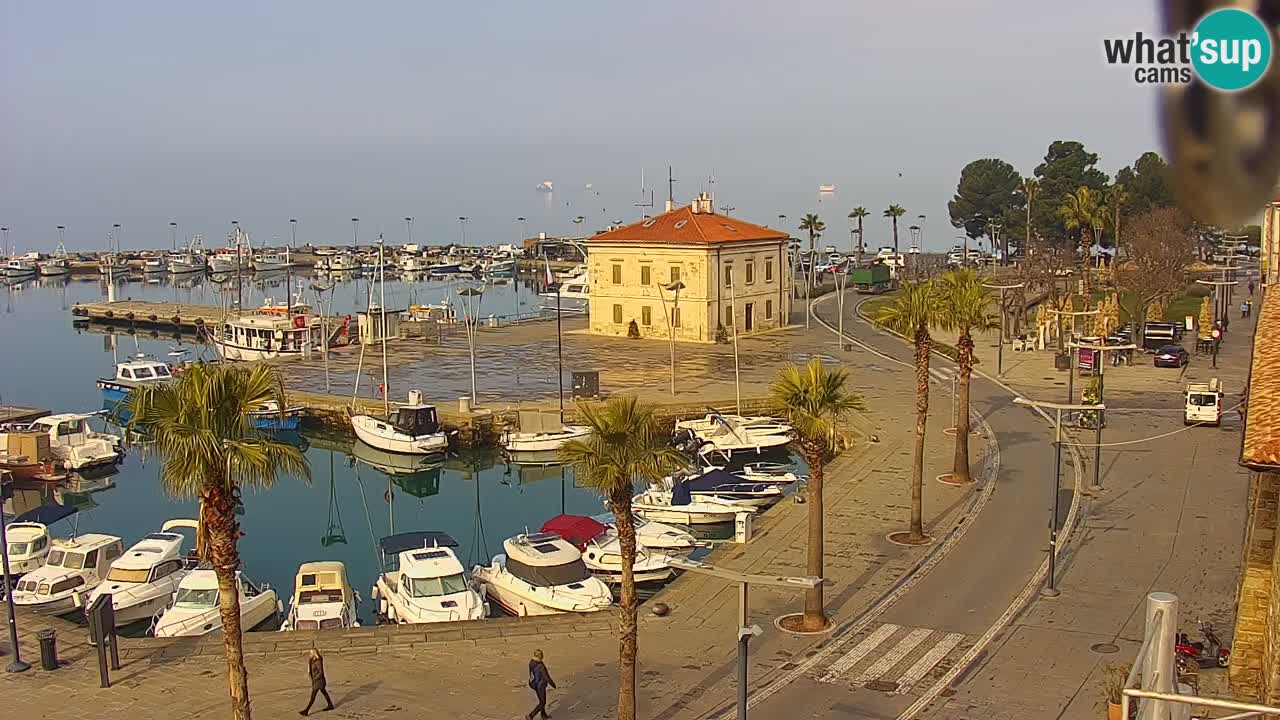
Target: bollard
{"x": 48, "y": 649}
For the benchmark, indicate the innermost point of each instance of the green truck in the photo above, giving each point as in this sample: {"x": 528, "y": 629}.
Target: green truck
{"x": 871, "y": 280}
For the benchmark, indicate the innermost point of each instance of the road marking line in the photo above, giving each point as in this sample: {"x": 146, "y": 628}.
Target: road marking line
{"x": 893, "y": 657}
{"x": 927, "y": 662}
{"x": 851, "y": 658}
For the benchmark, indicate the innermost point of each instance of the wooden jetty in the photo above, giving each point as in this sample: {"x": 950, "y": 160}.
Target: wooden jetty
{"x": 146, "y": 313}
{"x": 20, "y": 415}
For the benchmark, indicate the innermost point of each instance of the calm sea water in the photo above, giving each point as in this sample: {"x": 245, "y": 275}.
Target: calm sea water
{"x": 353, "y": 497}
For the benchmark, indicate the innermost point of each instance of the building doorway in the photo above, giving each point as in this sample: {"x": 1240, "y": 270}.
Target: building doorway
{"x": 749, "y": 318}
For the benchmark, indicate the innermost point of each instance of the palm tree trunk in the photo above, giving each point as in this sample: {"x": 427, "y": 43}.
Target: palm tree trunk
{"x": 628, "y": 644}
{"x": 960, "y": 469}
{"x": 895, "y": 239}
{"x": 916, "y": 531}
{"x": 1086, "y": 240}
{"x": 218, "y": 509}
{"x": 860, "y": 241}
{"x": 815, "y": 617}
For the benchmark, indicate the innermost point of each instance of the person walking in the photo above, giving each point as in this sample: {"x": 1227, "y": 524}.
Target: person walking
{"x": 539, "y": 679}
{"x": 1250, "y": 288}
{"x": 1244, "y": 310}
{"x": 315, "y": 665}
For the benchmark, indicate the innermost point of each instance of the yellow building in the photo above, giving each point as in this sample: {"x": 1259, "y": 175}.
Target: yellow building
{"x": 729, "y": 271}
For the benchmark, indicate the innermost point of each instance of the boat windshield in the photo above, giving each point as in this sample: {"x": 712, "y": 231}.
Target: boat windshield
{"x": 125, "y": 575}
{"x": 196, "y": 598}
{"x": 549, "y": 576}
{"x": 162, "y": 371}
{"x": 69, "y": 560}
{"x": 55, "y": 558}
{"x": 19, "y": 548}
{"x": 433, "y": 587}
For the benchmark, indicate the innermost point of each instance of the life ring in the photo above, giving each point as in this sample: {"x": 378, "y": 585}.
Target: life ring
{"x": 299, "y": 322}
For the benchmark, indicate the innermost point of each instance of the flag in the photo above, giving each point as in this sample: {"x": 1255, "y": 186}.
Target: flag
{"x": 549, "y": 279}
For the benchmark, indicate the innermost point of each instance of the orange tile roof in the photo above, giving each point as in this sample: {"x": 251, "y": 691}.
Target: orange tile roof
{"x": 683, "y": 226}
{"x": 1261, "y": 445}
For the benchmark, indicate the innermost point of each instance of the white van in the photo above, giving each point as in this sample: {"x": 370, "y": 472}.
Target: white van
{"x": 1203, "y": 403}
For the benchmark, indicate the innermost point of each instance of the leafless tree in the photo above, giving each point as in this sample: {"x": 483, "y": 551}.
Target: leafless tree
{"x": 1159, "y": 245}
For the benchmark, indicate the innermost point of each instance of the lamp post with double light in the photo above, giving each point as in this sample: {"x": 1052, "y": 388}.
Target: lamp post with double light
{"x": 1003, "y": 322}
{"x": 471, "y": 298}
{"x": 1100, "y": 363}
{"x": 674, "y": 288}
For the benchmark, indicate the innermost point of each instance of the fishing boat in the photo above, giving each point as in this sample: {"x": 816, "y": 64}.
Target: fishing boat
{"x": 73, "y": 568}
{"x": 343, "y": 262}
{"x": 113, "y": 264}
{"x": 678, "y": 506}
{"x": 602, "y": 550}
{"x": 413, "y": 263}
{"x": 58, "y": 264}
{"x": 271, "y": 418}
{"x": 133, "y": 373}
{"x": 26, "y": 456}
{"x": 20, "y": 267}
{"x": 195, "y": 610}
{"x": 268, "y": 261}
{"x": 142, "y": 582}
{"x": 542, "y": 574}
{"x": 267, "y": 336}
{"x": 422, "y": 581}
{"x": 187, "y": 262}
{"x": 154, "y": 264}
{"x": 323, "y": 598}
{"x": 230, "y": 259}
{"x": 540, "y": 432}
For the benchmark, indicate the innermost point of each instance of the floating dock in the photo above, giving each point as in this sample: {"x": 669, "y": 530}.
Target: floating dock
{"x": 20, "y": 415}
{"x": 145, "y": 313}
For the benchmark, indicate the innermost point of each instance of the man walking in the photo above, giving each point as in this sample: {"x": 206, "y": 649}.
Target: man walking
{"x": 539, "y": 679}
{"x": 315, "y": 665}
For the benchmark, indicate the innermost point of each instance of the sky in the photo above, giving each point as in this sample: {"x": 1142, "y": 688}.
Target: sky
{"x": 146, "y": 112}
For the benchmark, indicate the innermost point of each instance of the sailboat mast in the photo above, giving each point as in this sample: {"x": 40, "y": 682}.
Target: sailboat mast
{"x": 382, "y": 311}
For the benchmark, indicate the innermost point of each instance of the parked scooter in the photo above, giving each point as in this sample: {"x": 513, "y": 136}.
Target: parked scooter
{"x": 1201, "y": 655}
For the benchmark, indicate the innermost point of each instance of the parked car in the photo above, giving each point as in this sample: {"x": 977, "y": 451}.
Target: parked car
{"x": 1174, "y": 356}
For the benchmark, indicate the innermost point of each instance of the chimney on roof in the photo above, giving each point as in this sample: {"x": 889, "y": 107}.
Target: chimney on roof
{"x": 703, "y": 204}
{"x": 671, "y": 205}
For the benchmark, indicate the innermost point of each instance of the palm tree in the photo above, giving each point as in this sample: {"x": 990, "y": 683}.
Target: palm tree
{"x": 1115, "y": 197}
{"x": 815, "y": 226}
{"x": 964, "y": 303}
{"x": 202, "y": 432}
{"x": 626, "y": 445}
{"x": 859, "y": 213}
{"x": 1082, "y": 212}
{"x": 913, "y": 311}
{"x": 893, "y": 212}
{"x": 813, "y": 401}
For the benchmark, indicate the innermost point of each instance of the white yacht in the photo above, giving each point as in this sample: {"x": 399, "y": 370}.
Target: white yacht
{"x": 411, "y": 429}
{"x": 195, "y": 610}
{"x": 20, "y": 267}
{"x": 715, "y": 421}
{"x": 142, "y": 582}
{"x": 73, "y": 568}
{"x": 58, "y": 264}
{"x": 540, "y": 432}
{"x": 542, "y": 574}
{"x": 755, "y": 435}
{"x": 267, "y": 337}
{"x": 655, "y": 535}
{"x": 267, "y": 261}
{"x": 679, "y": 507}
{"x": 422, "y": 581}
{"x": 74, "y": 444}
{"x": 602, "y": 550}
{"x": 769, "y": 472}
{"x": 322, "y": 598}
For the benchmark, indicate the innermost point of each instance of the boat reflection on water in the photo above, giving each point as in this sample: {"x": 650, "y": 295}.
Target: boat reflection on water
{"x": 417, "y": 475}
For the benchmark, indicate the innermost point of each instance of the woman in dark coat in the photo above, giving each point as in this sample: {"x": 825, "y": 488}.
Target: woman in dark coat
{"x": 315, "y": 665}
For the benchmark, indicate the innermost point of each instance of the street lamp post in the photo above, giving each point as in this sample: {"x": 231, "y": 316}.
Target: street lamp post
{"x": 17, "y": 665}
{"x": 745, "y": 632}
{"x": 462, "y": 222}
{"x": 1220, "y": 308}
{"x": 841, "y": 278}
{"x": 324, "y": 325}
{"x": 471, "y": 307}
{"x": 1100, "y": 361}
{"x": 1003, "y": 323}
{"x": 1051, "y": 588}
{"x": 675, "y": 289}
{"x": 733, "y": 320}
{"x": 173, "y": 236}
{"x": 355, "y": 232}
{"x": 515, "y": 273}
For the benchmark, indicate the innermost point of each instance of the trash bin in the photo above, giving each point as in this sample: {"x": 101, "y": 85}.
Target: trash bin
{"x": 48, "y": 649}
{"x": 1061, "y": 361}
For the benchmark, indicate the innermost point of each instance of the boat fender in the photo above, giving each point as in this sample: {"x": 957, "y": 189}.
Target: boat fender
{"x": 129, "y": 314}
{"x": 199, "y": 322}
{"x": 176, "y": 320}
{"x": 391, "y": 614}
{"x": 152, "y": 317}
{"x": 109, "y": 313}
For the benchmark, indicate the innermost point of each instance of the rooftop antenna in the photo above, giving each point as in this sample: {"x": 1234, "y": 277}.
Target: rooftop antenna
{"x": 643, "y": 205}
{"x": 671, "y": 191}
{"x": 711, "y": 187}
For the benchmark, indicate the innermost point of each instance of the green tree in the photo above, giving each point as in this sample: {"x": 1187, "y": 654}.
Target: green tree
{"x": 964, "y": 309}
{"x": 1067, "y": 166}
{"x": 986, "y": 193}
{"x": 814, "y": 400}
{"x": 893, "y": 212}
{"x": 913, "y": 311}
{"x": 626, "y": 445}
{"x": 1147, "y": 183}
{"x": 858, "y": 214}
{"x": 814, "y": 225}
{"x": 1081, "y": 213}
{"x": 204, "y": 437}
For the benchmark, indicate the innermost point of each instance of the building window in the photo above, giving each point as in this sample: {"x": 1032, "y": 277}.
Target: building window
{"x": 675, "y": 317}
{"x": 768, "y": 271}
{"x": 728, "y": 316}
{"x": 768, "y": 309}
{"x": 728, "y": 276}
{"x": 617, "y": 313}
{"x": 646, "y": 316}
{"x": 617, "y": 273}
{"x": 751, "y": 272}
{"x": 646, "y": 278}
{"x": 675, "y": 273}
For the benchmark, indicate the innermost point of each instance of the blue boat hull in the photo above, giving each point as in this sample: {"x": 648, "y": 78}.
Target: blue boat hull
{"x": 275, "y": 423}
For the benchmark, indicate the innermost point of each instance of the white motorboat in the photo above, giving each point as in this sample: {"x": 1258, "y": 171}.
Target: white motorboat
{"x": 20, "y": 267}
{"x": 130, "y": 374}
{"x": 411, "y": 429}
{"x": 575, "y": 291}
{"x": 28, "y": 547}
{"x": 267, "y": 336}
{"x": 113, "y": 264}
{"x": 714, "y": 421}
{"x": 721, "y": 486}
{"x": 152, "y": 264}
{"x": 655, "y": 535}
{"x": 542, "y": 574}
{"x": 195, "y": 610}
{"x": 602, "y": 550}
{"x": 323, "y": 598}
{"x": 229, "y": 260}
{"x": 267, "y": 261}
{"x": 74, "y": 444}
{"x": 142, "y": 582}
{"x": 187, "y": 262}
{"x": 679, "y": 507}
{"x": 73, "y": 568}
{"x": 414, "y": 263}
{"x": 745, "y": 435}
{"x": 540, "y": 432}
{"x": 422, "y": 581}
{"x": 768, "y": 472}
{"x": 58, "y": 264}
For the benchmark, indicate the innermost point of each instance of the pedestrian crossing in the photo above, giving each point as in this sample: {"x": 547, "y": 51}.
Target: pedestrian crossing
{"x": 942, "y": 375}
{"x": 894, "y": 659}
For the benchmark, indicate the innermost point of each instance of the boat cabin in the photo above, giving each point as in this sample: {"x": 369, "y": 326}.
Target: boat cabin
{"x": 71, "y": 564}
{"x": 321, "y": 594}
{"x": 143, "y": 371}
{"x": 545, "y": 560}
{"x": 268, "y": 333}
{"x": 393, "y": 546}
{"x": 415, "y": 420}
{"x": 156, "y": 556}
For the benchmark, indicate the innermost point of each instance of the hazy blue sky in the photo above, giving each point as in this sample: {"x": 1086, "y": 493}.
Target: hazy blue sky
{"x": 143, "y": 112}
